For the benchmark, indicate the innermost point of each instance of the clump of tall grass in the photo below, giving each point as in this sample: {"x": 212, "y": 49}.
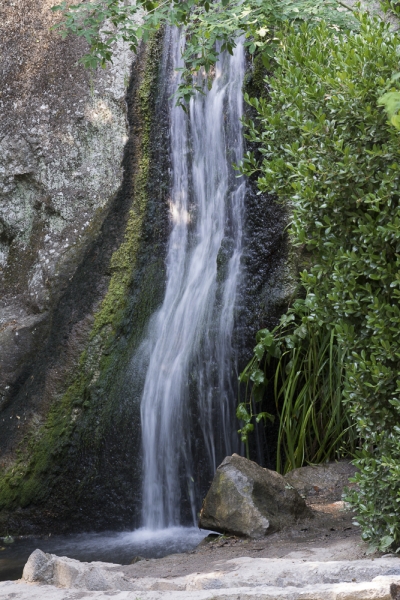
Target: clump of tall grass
{"x": 308, "y": 370}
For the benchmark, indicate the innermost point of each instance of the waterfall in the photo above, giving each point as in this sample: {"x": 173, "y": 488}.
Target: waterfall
{"x": 189, "y": 394}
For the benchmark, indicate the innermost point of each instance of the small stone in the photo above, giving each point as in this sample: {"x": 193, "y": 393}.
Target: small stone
{"x": 395, "y": 591}
{"x": 38, "y": 568}
{"x": 212, "y": 537}
{"x": 136, "y": 560}
{"x": 9, "y": 539}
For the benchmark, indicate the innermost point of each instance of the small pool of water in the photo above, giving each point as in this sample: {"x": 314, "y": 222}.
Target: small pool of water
{"x": 115, "y": 547}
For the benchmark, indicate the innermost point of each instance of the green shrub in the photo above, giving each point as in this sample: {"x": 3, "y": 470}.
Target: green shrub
{"x": 330, "y": 154}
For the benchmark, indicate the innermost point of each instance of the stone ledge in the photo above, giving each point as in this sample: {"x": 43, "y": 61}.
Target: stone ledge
{"x": 50, "y": 577}
{"x": 378, "y": 589}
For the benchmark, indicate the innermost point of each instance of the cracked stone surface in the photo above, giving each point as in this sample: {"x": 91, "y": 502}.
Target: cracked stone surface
{"x": 63, "y": 130}
{"x": 50, "y": 577}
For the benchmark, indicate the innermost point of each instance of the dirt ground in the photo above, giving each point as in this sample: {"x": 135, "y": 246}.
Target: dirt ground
{"x": 329, "y": 535}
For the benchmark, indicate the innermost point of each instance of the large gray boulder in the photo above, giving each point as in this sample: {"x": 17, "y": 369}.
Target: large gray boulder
{"x": 247, "y": 500}
{"x": 63, "y": 132}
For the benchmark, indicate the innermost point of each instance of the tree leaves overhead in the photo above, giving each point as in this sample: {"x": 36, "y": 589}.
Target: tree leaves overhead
{"x": 210, "y": 27}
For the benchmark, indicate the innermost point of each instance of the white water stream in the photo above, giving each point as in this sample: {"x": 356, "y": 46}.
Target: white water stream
{"x": 189, "y": 396}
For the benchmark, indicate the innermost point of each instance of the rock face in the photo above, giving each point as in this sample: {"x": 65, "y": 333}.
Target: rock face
{"x": 63, "y": 131}
{"x": 62, "y": 136}
{"x": 83, "y": 226}
{"x": 247, "y": 500}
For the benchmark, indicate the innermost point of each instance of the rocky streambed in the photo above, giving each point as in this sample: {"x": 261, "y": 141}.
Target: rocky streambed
{"x": 318, "y": 557}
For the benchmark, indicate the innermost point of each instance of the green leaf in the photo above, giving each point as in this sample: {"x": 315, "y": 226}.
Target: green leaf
{"x": 242, "y": 414}
{"x": 257, "y": 376}
{"x": 265, "y": 417}
{"x": 386, "y": 542}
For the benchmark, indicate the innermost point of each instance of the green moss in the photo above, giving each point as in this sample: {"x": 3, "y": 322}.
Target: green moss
{"x": 254, "y": 81}
{"x": 28, "y": 479}
{"x": 124, "y": 259}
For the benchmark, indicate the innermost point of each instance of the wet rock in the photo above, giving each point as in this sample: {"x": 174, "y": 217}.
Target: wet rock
{"x": 71, "y": 148}
{"x": 212, "y": 537}
{"x": 322, "y": 482}
{"x": 8, "y": 539}
{"x": 247, "y": 500}
{"x": 62, "y": 137}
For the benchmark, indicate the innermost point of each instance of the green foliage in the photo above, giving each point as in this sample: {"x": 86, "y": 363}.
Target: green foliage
{"x": 391, "y": 6}
{"x": 331, "y": 156}
{"x": 210, "y": 27}
{"x": 245, "y": 414}
{"x": 307, "y": 386}
{"x": 391, "y": 101}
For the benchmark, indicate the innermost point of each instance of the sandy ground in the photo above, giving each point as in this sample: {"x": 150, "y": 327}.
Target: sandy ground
{"x": 329, "y": 535}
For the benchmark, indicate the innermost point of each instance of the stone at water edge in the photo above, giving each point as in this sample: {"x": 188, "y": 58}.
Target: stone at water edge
{"x": 136, "y": 559}
{"x": 246, "y": 500}
{"x": 39, "y": 567}
{"x": 64, "y": 572}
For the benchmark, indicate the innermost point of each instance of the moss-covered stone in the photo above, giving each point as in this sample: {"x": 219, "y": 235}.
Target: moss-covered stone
{"x": 254, "y": 81}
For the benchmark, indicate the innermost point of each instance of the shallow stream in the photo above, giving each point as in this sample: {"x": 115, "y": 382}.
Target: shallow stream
{"x": 115, "y": 547}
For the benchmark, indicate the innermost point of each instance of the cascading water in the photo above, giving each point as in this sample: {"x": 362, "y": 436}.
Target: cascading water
{"x": 188, "y": 402}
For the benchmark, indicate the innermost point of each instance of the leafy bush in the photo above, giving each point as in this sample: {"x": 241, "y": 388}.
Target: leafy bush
{"x": 330, "y": 154}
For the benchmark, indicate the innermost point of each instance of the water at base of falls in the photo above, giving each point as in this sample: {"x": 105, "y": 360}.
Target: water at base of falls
{"x": 118, "y": 548}
{"x": 189, "y": 394}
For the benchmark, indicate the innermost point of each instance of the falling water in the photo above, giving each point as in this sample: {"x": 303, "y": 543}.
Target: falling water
{"x": 189, "y": 398}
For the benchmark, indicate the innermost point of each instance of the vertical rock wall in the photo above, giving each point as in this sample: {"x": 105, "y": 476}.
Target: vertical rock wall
{"x": 82, "y": 230}
{"x": 62, "y": 135}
